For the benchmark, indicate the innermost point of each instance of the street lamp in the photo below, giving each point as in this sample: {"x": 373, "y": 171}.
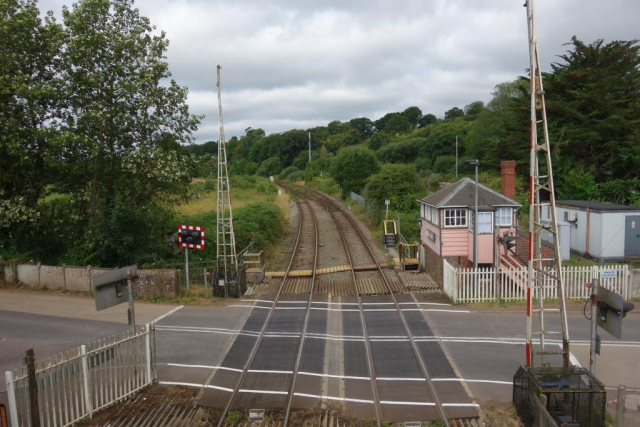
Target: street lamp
{"x": 475, "y": 220}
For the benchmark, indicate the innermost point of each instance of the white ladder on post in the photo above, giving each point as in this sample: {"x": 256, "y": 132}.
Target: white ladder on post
{"x": 542, "y": 280}
{"x": 226, "y": 255}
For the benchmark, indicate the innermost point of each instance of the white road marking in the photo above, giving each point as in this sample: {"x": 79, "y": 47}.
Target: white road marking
{"x": 222, "y": 368}
{"x": 291, "y": 308}
{"x": 324, "y": 397}
{"x": 256, "y": 300}
{"x": 346, "y": 377}
{"x": 334, "y": 309}
{"x": 244, "y": 390}
{"x": 195, "y": 385}
{"x": 207, "y": 331}
{"x": 248, "y": 306}
{"x": 436, "y": 309}
{"x": 461, "y": 405}
{"x": 334, "y": 303}
{"x": 399, "y": 379}
{"x": 268, "y": 371}
{"x": 168, "y": 313}
{"x": 473, "y": 381}
{"x": 395, "y": 402}
{"x": 425, "y": 303}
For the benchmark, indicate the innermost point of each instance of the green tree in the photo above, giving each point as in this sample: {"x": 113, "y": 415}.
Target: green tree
{"x": 594, "y": 107}
{"x": 30, "y": 108}
{"x": 453, "y": 113}
{"x": 270, "y": 167}
{"x": 403, "y": 151}
{"x": 124, "y": 117}
{"x": 352, "y": 166}
{"x": 472, "y": 110}
{"x": 382, "y": 121}
{"x": 397, "y": 124}
{"x": 427, "y": 119}
{"x": 397, "y": 183}
{"x": 413, "y": 116}
{"x": 364, "y": 126}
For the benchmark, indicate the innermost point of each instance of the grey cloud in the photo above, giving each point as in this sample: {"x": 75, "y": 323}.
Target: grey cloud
{"x": 298, "y": 64}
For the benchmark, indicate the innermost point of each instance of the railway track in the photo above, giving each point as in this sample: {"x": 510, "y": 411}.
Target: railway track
{"x": 249, "y": 377}
{"x": 381, "y": 315}
{"x": 306, "y": 349}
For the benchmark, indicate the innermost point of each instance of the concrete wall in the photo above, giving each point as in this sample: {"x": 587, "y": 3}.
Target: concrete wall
{"x": 150, "y": 282}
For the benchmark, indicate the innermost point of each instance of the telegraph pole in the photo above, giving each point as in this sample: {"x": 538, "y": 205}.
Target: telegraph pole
{"x": 309, "y": 147}
{"x": 456, "y": 156}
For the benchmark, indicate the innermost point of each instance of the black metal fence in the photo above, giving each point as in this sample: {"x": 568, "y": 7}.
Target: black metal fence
{"x": 568, "y": 396}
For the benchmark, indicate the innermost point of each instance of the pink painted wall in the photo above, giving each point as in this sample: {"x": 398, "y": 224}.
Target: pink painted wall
{"x": 427, "y": 226}
{"x": 455, "y": 241}
{"x": 485, "y": 248}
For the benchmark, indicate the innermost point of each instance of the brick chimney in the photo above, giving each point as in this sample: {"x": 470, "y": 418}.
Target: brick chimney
{"x": 508, "y": 176}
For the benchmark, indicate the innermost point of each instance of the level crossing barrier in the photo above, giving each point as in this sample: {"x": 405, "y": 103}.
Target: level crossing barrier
{"x": 73, "y": 385}
{"x": 468, "y": 285}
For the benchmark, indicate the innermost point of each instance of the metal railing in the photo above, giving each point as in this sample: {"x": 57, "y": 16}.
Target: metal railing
{"x": 73, "y": 385}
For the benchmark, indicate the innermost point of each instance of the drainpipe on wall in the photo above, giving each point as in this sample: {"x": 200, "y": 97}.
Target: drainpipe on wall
{"x": 588, "y": 226}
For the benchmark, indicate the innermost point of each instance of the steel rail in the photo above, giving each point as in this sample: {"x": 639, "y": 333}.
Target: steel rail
{"x": 254, "y": 350}
{"x": 423, "y": 367}
{"x": 300, "y": 348}
{"x": 372, "y": 372}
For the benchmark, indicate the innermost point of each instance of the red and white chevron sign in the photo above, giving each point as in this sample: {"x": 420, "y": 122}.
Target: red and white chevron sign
{"x": 191, "y": 237}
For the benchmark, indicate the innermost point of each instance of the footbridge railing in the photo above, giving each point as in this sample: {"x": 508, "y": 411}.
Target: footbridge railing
{"x": 71, "y": 386}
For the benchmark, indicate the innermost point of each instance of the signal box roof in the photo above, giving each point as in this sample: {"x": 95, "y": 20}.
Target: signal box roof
{"x": 462, "y": 194}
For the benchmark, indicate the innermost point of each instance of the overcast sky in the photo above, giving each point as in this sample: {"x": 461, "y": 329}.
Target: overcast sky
{"x": 298, "y": 64}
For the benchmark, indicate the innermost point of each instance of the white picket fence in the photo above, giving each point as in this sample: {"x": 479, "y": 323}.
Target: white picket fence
{"x": 510, "y": 284}
{"x": 73, "y": 385}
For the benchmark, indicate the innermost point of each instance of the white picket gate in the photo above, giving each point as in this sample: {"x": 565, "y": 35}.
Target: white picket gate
{"x": 75, "y": 384}
{"x": 510, "y": 284}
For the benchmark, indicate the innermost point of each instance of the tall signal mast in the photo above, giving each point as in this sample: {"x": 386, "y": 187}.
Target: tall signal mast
{"x": 542, "y": 281}
{"x": 226, "y": 255}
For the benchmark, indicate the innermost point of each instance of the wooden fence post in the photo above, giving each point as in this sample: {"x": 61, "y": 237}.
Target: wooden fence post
{"x": 33, "y": 388}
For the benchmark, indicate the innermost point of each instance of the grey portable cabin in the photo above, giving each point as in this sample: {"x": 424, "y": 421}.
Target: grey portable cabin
{"x": 604, "y": 232}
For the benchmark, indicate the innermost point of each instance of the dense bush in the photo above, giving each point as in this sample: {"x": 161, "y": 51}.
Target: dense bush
{"x": 352, "y": 166}
{"x": 398, "y": 183}
{"x": 287, "y": 171}
{"x": 270, "y": 167}
{"x": 262, "y": 223}
{"x": 404, "y": 151}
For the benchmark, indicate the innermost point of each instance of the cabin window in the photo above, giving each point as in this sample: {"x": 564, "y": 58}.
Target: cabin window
{"x": 430, "y": 214}
{"x": 504, "y": 217}
{"x": 485, "y": 222}
{"x": 455, "y": 217}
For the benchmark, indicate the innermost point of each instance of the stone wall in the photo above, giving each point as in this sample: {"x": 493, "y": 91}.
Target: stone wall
{"x": 150, "y": 282}
{"x": 433, "y": 264}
